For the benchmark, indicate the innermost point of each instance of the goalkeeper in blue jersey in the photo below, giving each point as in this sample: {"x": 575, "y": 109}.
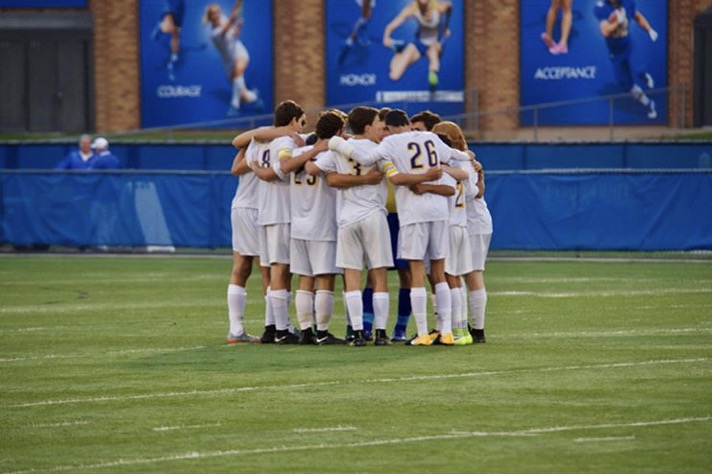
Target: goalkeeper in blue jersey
{"x": 614, "y": 21}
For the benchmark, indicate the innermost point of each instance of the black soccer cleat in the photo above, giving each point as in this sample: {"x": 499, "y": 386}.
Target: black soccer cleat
{"x": 382, "y": 338}
{"x": 268, "y": 336}
{"x": 306, "y": 337}
{"x": 324, "y": 338}
{"x": 285, "y": 337}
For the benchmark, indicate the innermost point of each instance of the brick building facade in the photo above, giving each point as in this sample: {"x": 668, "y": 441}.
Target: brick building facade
{"x": 491, "y": 58}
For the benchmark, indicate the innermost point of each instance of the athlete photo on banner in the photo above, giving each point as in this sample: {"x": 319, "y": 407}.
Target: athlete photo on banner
{"x": 594, "y": 62}
{"x": 204, "y": 60}
{"x": 398, "y": 53}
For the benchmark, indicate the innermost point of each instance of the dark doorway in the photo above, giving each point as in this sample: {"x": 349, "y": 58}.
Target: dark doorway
{"x": 46, "y": 79}
{"x": 702, "y": 99}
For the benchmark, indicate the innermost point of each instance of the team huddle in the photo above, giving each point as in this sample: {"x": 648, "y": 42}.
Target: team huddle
{"x": 316, "y": 206}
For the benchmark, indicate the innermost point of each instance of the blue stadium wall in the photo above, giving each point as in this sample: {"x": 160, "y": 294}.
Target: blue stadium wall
{"x": 494, "y": 156}
{"x": 645, "y": 197}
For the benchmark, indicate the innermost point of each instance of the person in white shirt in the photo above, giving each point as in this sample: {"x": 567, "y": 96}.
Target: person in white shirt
{"x": 274, "y": 214}
{"x": 245, "y": 235}
{"x": 312, "y": 250}
{"x": 363, "y": 229}
{"x": 423, "y": 214}
{"x": 460, "y": 263}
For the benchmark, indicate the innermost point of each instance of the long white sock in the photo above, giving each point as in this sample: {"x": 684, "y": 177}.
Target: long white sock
{"x": 355, "y": 308}
{"x": 269, "y": 313}
{"x": 418, "y": 302}
{"x": 304, "y": 303}
{"x": 324, "y": 305}
{"x": 443, "y": 295}
{"x": 280, "y": 307}
{"x": 381, "y": 304}
{"x": 456, "y": 298}
{"x": 478, "y": 304}
{"x": 236, "y": 298}
{"x": 237, "y": 85}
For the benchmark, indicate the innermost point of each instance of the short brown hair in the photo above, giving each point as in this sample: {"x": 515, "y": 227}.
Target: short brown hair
{"x": 286, "y": 111}
{"x": 361, "y": 116}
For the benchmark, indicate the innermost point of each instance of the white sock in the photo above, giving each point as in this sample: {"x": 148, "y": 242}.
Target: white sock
{"x": 237, "y": 85}
{"x": 324, "y": 305}
{"x": 355, "y": 308}
{"x": 236, "y": 298}
{"x": 304, "y": 303}
{"x": 381, "y": 303}
{"x": 478, "y": 303}
{"x": 418, "y": 302}
{"x": 269, "y": 313}
{"x": 280, "y": 307}
{"x": 640, "y": 95}
{"x": 456, "y": 298}
{"x": 444, "y": 301}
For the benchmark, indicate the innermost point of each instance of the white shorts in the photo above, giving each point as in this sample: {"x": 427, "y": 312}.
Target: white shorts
{"x": 239, "y": 52}
{"x": 274, "y": 244}
{"x": 245, "y": 232}
{"x": 366, "y": 241}
{"x": 312, "y": 257}
{"x": 459, "y": 262}
{"x": 415, "y": 241}
{"x": 479, "y": 245}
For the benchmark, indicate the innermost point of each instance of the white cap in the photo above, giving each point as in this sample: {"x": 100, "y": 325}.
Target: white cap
{"x": 101, "y": 143}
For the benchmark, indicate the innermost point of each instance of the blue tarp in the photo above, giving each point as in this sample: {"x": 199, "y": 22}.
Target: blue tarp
{"x": 622, "y": 210}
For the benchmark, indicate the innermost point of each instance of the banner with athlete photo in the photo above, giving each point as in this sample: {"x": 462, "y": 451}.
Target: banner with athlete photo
{"x": 420, "y": 67}
{"x": 582, "y": 77}
{"x": 204, "y": 60}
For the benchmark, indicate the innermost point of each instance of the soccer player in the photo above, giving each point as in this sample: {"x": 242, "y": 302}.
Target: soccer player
{"x": 245, "y": 247}
{"x": 423, "y": 215}
{"x": 460, "y": 262}
{"x": 274, "y": 214}
{"x": 433, "y": 19}
{"x": 245, "y": 233}
{"x": 313, "y": 236}
{"x": 614, "y": 17}
{"x": 362, "y": 222}
{"x": 225, "y": 34}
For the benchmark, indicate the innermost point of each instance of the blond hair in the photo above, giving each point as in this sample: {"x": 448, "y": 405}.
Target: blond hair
{"x": 453, "y": 132}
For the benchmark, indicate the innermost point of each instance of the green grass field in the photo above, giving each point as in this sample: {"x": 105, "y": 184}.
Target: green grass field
{"x": 119, "y": 365}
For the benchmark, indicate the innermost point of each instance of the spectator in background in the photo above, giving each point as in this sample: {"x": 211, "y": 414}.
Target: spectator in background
{"x": 104, "y": 159}
{"x": 80, "y": 159}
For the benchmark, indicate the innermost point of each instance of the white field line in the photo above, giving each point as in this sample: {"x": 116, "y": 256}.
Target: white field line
{"x": 151, "y": 350}
{"x": 377, "y": 442}
{"x": 61, "y": 424}
{"x": 602, "y": 294}
{"x": 325, "y": 429}
{"x": 604, "y": 438}
{"x": 186, "y": 427}
{"x": 222, "y": 391}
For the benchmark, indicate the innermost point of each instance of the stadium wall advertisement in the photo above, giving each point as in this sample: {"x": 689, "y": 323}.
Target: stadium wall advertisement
{"x": 202, "y": 63}
{"x": 586, "y": 68}
{"x": 360, "y": 69}
{"x": 530, "y": 210}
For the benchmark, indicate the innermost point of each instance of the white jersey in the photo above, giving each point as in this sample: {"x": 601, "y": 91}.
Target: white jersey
{"x": 313, "y": 204}
{"x": 415, "y": 153}
{"x": 357, "y": 202}
{"x": 479, "y": 220}
{"x": 246, "y": 192}
{"x": 458, "y": 212}
{"x": 273, "y": 196}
